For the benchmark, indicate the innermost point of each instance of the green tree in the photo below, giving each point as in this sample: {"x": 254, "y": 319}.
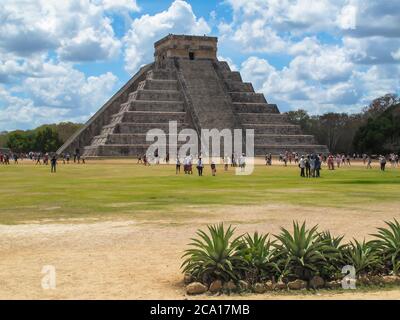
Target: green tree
{"x": 47, "y": 140}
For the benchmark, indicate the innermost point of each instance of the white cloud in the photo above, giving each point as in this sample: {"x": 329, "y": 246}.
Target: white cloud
{"x": 396, "y": 54}
{"x": 144, "y": 31}
{"x": 79, "y": 30}
{"x": 348, "y": 17}
{"x": 57, "y": 92}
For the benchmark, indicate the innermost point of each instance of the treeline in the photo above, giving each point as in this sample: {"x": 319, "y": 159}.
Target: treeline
{"x": 376, "y": 129}
{"x": 46, "y": 138}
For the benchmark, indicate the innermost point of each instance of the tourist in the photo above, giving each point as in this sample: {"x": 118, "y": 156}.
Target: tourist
{"x": 213, "y": 168}
{"x": 338, "y": 160}
{"x": 317, "y": 166}
{"x": 348, "y": 160}
{"x": 269, "y": 161}
{"x": 307, "y": 166}
{"x": 38, "y": 156}
{"x": 242, "y": 162}
{"x": 369, "y": 161}
{"x": 226, "y": 163}
{"x": 190, "y": 164}
{"x": 382, "y": 161}
{"x": 178, "y": 165}
{"x": 285, "y": 160}
{"x": 200, "y": 167}
{"x": 53, "y": 163}
{"x": 302, "y": 166}
{"x": 312, "y": 166}
{"x": 331, "y": 163}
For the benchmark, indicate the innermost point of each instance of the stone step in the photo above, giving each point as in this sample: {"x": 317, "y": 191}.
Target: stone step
{"x": 262, "y": 150}
{"x": 147, "y": 116}
{"x": 283, "y": 139}
{"x": 152, "y": 84}
{"x": 150, "y": 105}
{"x": 155, "y": 95}
{"x": 231, "y": 75}
{"x": 262, "y": 118}
{"x": 159, "y": 74}
{"x": 273, "y": 128}
{"x": 247, "y": 97}
{"x": 132, "y": 127}
{"x": 239, "y": 86}
{"x": 251, "y": 107}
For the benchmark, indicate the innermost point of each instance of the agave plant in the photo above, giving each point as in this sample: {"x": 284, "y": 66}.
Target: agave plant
{"x": 259, "y": 254}
{"x": 363, "y": 256}
{"x": 388, "y": 245}
{"x": 335, "y": 262}
{"x": 214, "y": 256}
{"x": 303, "y": 254}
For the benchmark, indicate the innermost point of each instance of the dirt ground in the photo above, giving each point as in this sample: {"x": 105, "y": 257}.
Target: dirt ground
{"x": 141, "y": 260}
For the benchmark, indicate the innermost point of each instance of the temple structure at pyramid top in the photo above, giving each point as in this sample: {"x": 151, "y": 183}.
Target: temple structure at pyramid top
{"x": 186, "y": 83}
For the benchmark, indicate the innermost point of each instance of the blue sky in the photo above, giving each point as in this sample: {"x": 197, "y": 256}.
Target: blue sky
{"x": 61, "y": 60}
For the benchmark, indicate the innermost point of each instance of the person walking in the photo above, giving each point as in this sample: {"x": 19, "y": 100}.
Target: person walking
{"x": 369, "y": 161}
{"x": 178, "y": 165}
{"x": 382, "y": 161}
{"x": 200, "y": 167}
{"x": 213, "y": 168}
{"x": 53, "y": 162}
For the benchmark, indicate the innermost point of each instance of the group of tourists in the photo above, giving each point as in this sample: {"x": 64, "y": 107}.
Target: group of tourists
{"x": 188, "y": 164}
{"x": 44, "y": 158}
{"x": 310, "y": 166}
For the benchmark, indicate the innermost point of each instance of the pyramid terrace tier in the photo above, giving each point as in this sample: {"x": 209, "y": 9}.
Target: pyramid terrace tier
{"x": 272, "y": 128}
{"x": 238, "y": 86}
{"x": 251, "y": 107}
{"x": 251, "y": 97}
{"x": 283, "y": 139}
{"x": 153, "y": 106}
{"x": 137, "y": 138}
{"x": 147, "y": 117}
{"x": 134, "y": 127}
{"x": 155, "y": 95}
{"x": 262, "y": 118}
{"x": 161, "y": 74}
{"x": 157, "y": 84}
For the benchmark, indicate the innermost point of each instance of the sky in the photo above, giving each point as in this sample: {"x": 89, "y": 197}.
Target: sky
{"x": 61, "y": 60}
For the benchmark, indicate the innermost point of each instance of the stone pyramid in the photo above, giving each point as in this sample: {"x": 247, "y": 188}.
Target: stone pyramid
{"x": 186, "y": 83}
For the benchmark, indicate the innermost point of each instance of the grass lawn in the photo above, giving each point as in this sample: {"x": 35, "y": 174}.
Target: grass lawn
{"x": 120, "y": 189}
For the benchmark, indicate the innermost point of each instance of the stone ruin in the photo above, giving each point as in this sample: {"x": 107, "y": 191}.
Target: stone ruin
{"x": 188, "y": 84}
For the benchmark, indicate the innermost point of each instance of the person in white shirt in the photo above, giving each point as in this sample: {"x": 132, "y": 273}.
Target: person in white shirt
{"x": 302, "y": 165}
